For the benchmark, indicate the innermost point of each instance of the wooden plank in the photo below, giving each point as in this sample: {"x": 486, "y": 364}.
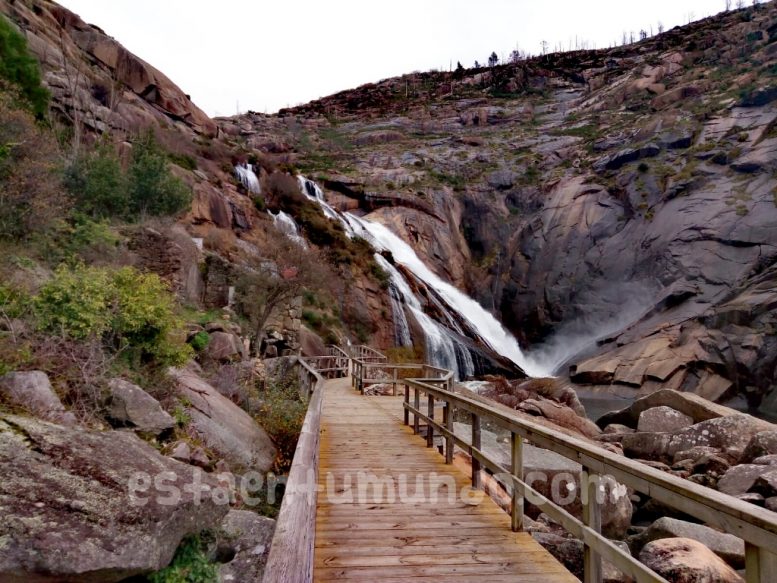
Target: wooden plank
{"x": 406, "y": 538}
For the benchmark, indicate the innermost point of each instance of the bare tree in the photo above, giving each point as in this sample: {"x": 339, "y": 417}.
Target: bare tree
{"x": 642, "y": 34}
{"x": 728, "y": 5}
{"x": 660, "y": 27}
{"x": 493, "y": 60}
{"x": 740, "y": 4}
{"x": 544, "y": 45}
{"x": 274, "y": 280}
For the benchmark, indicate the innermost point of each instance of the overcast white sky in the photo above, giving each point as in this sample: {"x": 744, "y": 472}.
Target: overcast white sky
{"x": 263, "y": 55}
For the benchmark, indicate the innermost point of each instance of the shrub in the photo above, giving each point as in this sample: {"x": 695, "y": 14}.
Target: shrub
{"x": 200, "y": 341}
{"x": 32, "y": 199}
{"x": 19, "y": 67}
{"x": 190, "y": 565}
{"x": 132, "y": 312}
{"x": 153, "y": 189}
{"x": 282, "y": 415}
{"x": 98, "y": 184}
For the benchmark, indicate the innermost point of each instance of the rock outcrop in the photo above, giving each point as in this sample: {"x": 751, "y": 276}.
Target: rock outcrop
{"x": 246, "y": 537}
{"x": 684, "y": 560}
{"x": 223, "y": 426}
{"x": 129, "y": 405}
{"x": 32, "y": 391}
{"x": 86, "y": 507}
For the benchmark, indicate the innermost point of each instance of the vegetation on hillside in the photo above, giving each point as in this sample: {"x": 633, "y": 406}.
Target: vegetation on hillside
{"x": 20, "y": 69}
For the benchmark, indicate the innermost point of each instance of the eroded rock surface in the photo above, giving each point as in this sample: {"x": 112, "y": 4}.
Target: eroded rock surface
{"x": 67, "y": 512}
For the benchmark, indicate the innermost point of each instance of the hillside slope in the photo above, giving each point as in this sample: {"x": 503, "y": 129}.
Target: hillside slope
{"x": 619, "y": 202}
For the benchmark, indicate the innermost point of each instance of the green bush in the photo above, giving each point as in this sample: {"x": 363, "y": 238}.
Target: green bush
{"x": 98, "y": 184}
{"x": 20, "y": 68}
{"x": 132, "y": 312}
{"x": 153, "y": 189}
{"x": 190, "y": 565}
{"x": 200, "y": 341}
{"x": 102, "y": 189}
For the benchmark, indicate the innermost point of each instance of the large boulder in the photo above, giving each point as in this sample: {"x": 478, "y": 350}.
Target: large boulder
{"x": 684, "y": 560}
{"x": 696, "y": 407}
{"x": 558, "y": 479}
{"x": 762, "y": 444}
{"x": 246, "y": 536}
{"x": 663, "y": 419}
{"x": 32, "y": 391}
{"x": 740, "y": 479}
{"x": 728, "y": 547}
{"x": 129, "y": 405}
{"x": 225, "y": 347}
{"x": 68, "y": 512}
{"x": 223, "y": 426}
{"x": 729, "y": 434}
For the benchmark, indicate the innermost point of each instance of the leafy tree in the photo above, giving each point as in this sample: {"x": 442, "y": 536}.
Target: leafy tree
{"x": 20, "y": 68}
{"x": 153, "y": 189}
{"x": 493, "y": 60}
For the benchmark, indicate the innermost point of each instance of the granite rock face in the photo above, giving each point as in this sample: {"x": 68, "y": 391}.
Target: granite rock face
{"x": 223, "y": 426}
{"x": 69, "y": 512}
{"x": 32, "y": 390}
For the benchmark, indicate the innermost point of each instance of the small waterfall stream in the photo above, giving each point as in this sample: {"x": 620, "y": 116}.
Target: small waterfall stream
{"x": 288, "y": 226}
{"x": 245, "y": 173}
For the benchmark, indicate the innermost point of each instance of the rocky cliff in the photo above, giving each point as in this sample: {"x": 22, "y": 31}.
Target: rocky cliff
{"x": 617, "y": 208}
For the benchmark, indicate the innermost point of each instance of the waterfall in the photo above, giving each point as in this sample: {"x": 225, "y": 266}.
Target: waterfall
{"x": 442, "y": 348}
{"x": 288, "y": 226}
{"x": 481, "y": 321}
{"x": 245, "y": 173}
{"x": 314, "y": 193}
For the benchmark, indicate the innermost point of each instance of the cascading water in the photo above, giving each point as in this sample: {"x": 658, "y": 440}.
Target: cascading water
{"x": 402, "y": 335}
{"x": 314, "y": 193}
{"x": 288, "y": 226}
{"x": 482, "y": 322}
{"x": 442, "y": 348}
{"x": 245, "y": 173}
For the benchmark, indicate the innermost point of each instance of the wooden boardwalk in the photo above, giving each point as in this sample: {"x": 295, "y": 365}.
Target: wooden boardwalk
{"x": 392, "y": 529}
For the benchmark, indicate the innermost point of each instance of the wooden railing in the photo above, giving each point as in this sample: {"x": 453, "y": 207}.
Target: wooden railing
{"x": 291, "y": 554}
{"x": 758, "y": 527}
{"x": 333, "y": 365}
{"x": 292, "y": 550}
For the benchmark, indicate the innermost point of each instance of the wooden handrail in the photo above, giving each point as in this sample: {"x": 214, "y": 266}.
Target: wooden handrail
{"x": 756, "y": 526}
{"x": 291, "y": 554}
{"x": 291, "y": 557}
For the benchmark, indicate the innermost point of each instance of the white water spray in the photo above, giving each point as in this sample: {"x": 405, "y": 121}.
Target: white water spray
{"x": 245, "y": 173}
{"x": 482, "y": 322}
{"x": 288, "y": 226}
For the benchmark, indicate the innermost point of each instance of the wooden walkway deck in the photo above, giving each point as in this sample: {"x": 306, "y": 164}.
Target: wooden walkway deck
{"x": 398, "y": 532}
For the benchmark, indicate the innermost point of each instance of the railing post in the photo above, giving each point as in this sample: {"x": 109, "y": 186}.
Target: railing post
{"x": 429, "y": 425}
{"x": 417, "y": 407}
{"x": 447, "y": 415}
{"x": 592, "y": 517}
{"x": 516, "y": 469}
{"x": 760, "y": 564}
{"x": 395, "y": 382}
{"x": 476, "y": 445}
{"x": 407, "y": 402}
